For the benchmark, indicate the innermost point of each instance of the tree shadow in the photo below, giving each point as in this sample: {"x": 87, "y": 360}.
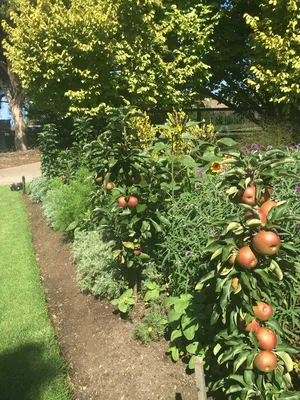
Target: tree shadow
{"x": 25, "y": 371}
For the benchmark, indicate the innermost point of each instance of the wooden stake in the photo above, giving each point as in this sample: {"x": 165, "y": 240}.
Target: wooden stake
{"x": 200, "y": 379}
{"x": 24, "y": 184}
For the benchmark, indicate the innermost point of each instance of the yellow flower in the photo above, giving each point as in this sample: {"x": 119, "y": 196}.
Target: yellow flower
{"x": 150, "y": 329}
{"x": 125, "y": 299}
{"x": 216, "y": 167}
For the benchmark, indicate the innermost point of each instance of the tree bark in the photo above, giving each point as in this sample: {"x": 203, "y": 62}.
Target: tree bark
{"x": 19, "y": 125}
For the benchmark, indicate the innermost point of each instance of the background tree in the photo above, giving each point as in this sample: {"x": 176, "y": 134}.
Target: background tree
{"x": 78, "y": 56}
{"x": 10, "y": 83}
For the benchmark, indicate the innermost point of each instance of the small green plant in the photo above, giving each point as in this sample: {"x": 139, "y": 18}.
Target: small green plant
{"x": 97, "y": 270}
{"x": 124, "y": 301}
{"x": 153, "y": 324}
{"x": 38, "y": 188}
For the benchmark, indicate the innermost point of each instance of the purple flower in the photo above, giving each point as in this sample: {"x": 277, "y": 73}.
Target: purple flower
{"x": 246, "y": 150}
{"x": 297, "y": 188}
{"x": 187, "y": 253}
{"x": 201, "y": 174}
{"x": 291, "y": 212}
{"x": 269, "y": 147}
{"x": 298, "y": 226}
{"x": 213, "y": 233}
{"x": 256, "y": 147}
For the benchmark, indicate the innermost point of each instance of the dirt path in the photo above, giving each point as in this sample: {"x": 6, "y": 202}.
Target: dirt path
{"x": 105, "y": 363}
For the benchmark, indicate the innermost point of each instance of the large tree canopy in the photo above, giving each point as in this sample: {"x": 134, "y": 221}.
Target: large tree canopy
{"x": 10, "y": 83}
{"x": 79, "y": 55}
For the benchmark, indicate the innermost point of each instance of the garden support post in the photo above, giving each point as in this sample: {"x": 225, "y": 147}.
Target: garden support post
{"x": 24, "y": 184}
{"x": 200, "y": 379}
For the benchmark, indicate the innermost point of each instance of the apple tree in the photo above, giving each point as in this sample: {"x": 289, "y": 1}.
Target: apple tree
{"x": 251, "y": 268}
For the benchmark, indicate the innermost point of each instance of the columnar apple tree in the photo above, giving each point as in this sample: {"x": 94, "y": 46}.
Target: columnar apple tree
{"x": 252, "y": 269}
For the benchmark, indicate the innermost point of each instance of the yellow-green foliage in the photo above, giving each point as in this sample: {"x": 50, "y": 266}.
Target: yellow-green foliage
{"x": 178, "y": 123}
{"x": 276, "y": 41}
{"x": 83, "y": 55}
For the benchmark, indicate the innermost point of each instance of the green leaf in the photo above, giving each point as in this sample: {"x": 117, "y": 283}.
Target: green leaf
{"x": 175, "y": 353}
{"x": 151, "y": 295}
{"x": 173, "y": 316}
{"x": 156, "y": 226}
{"x": 193, "y": 347}
{"x": 140, "y": 208}
{"x": 205, "y": 278}
{"x": 176, "y": 334}
{"x": 228, "y": 142}
{"x": 287, "y": 360}
{"x": 122, "y": 306}
{"x": 288, "y": 396}
{"x": 189, "y": 327}
{"x": 242, "y": 357}
{"x": 187, "y": 161}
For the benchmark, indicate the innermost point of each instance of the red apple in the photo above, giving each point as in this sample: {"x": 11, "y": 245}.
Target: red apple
{"x": 248, "y": 196}
{"x": 137, "y": 252}
{"x": 263, "y": 311}
{"x": 262, "y": 216}
{"x": 245, "y": 258}
{"x": 99, "y": 179}
{"x": 132, "y": 201}
{"x": 122, "y": 201}
{"x": 265, "y": 361}
{"x": 266, "y": 243}
{"x": 267, "y": 338}
{"x": 265, "y": 194}
{"x": 110, "y": 186}
{"x": 266, "y": 207}
{"x": 253, "y": 326}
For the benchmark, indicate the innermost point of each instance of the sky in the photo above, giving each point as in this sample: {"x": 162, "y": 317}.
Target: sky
{"x": 4, "y": 111}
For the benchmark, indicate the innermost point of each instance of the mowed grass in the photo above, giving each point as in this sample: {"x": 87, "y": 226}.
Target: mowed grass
{"x": 31, "y": 367}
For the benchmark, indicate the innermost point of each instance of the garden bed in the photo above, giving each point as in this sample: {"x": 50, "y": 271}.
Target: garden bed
{"x": 104, "y": 362}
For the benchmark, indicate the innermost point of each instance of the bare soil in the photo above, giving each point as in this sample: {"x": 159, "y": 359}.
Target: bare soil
{"x": 16, "y": 158}
{"x": 104, "y": 361}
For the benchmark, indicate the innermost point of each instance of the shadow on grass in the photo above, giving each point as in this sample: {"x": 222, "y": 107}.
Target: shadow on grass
{"x": 25, "y": 372}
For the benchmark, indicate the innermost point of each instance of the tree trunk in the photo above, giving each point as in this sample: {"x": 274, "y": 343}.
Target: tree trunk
{"x": 19, "y": 125}
{"x": 16, "y": 97}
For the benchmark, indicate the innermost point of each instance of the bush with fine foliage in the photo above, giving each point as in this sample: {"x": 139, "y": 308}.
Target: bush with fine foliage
{"x": 98, "y": 273}
{"x": 37, "y": 189}
{"x": 66, "y": 204}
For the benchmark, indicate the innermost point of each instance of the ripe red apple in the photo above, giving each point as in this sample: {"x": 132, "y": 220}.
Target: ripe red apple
{"x": 267, "y": 338}
{"x": 266, "y": 194}
{"x": 99, "y": 179}
{"x": 137, "y": 252}
{"x": 122, "y": 201}
{"x": 248, "y": 196}
{"x": 132, "y": 201}
{"x": 110, "y": 186}
{"x": 266, "y": 242}
{"x": 266, "y": 207}
{"x": 265, "y": 361}
{"x": 235, "y": 283}
{"x": 262, "y": 216}
{"x": 263, "y": 311}
{"x": 245, "y": 258}
{"x": 253, "y": 326}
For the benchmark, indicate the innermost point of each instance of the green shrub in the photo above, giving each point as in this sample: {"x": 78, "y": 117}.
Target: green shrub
{"x": 192, "y": 218}
{"x": 153, "y": 325}
{"x": 67, "y": 204}
{"x": 96, "y": 266}
{"x": 38, "y": 188}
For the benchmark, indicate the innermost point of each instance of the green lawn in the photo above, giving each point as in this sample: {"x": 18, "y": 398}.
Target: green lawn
{"x": 30, "y": 364}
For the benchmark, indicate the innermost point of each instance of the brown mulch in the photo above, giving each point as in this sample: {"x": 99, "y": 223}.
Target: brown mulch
{"x": 16, "y": 158}
{"x": 104, "y": 361}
